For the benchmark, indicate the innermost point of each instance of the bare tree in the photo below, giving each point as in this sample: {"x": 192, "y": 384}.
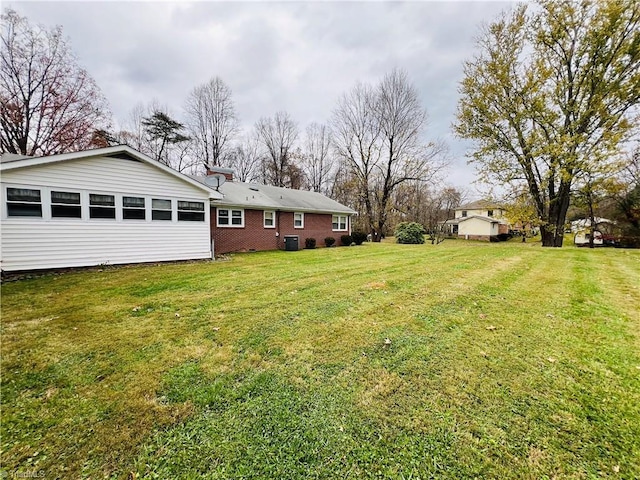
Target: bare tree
{"x": 316, "y": 160}
{"x": 378, "y": 132}
{"x": 245, "y": 159}
{"x": 48, "y": 103}
{"x": 404, "y": 156}
{"x": 133, "y": 132}
{"x": 211, "y": 120}
{"x": 278, "y": 136}
{"x": 356, "y": 133}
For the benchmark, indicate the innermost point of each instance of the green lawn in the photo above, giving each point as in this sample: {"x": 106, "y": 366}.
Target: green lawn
{"x": 462, "y": 360}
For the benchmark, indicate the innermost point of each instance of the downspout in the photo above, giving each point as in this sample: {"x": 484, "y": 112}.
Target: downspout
{"x": 277, "y": 229}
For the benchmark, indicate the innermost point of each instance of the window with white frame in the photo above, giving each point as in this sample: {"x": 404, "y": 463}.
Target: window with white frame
{"x": 161, "y": 209}
{"x": 133, "y": 208}
{"x": 269, "y": 219}
{"x": 65, "y": 205}
{"x": 190, "y": 211}
{"x": 227, "y": 217}
{"x": 339, "y": 223}
{"x": 298, "y": 220}
{"x": 102, "y": 206}
{"x": 24, "y": 202}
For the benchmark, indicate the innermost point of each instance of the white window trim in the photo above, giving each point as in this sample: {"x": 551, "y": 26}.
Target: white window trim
{"x": 45, "y": 200}
{"x": 230, "y": 210}
{"x": 117, "y": 205}
{"x": 66, "y": 219}
{"x": 301, "y": 220}
{"x": 346, "y": 222}
{"x": 145, "y": 208}
{"x": 178, "y": 210}
{"x": 264, "y": 218}
{"x": 44, "y": 205}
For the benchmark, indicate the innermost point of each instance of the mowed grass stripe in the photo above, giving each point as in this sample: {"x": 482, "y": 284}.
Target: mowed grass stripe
{"x": 277, "y": 366}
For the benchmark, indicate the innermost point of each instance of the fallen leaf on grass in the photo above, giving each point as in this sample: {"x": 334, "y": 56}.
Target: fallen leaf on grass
{"x": 215, "y": 329}
{"x": 482, "y": 315}
{"x": 551, "y": 360}
{"x": 491, "y": 327}
{"x": 616, "y": 468}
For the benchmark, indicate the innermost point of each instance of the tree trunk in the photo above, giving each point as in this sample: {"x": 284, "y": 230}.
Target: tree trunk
{"x": 553, "y": 232}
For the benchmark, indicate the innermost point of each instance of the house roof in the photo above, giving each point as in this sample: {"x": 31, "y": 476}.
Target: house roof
{"x": 480, "y": 217}
{"x": 12, "y": 157}
{"x": 11, "y": 162}
{"x": 479, "y": 205}
{"x": 253, "y": 195}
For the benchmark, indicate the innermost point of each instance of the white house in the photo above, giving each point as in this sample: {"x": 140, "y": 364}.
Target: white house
{"x": 479, "y": 220}
{"x": 110, "y": 205}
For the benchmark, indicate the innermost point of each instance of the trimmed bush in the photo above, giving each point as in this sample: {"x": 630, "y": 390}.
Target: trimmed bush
{"x": 358, "y": 237}
{"x": 329, "y": 241}
{"x": 346, "y": 240}
{"x": 309, "y": 243}
{"x": 409, "y": 232}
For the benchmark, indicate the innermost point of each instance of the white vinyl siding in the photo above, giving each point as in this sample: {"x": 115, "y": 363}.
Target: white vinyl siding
{"x": 476, "y": 226}
{"x": 57, "y": 242}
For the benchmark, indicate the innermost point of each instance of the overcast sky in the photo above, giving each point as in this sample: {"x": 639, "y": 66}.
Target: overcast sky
{"x": 293, "y": 56}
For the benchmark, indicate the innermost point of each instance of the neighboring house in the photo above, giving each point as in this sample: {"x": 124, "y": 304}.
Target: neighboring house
{"x": 602, "y": 233}
{"x": 105, "y": 206}
{"x": 584, "y": 224}
{"x": 252, "y": 217}
{"x": 479, "y": 220}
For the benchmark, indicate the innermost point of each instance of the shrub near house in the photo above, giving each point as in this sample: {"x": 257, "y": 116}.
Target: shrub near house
{"x": 409, "y": 232}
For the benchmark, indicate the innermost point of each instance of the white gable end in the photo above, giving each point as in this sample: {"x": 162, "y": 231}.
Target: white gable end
{"x": 169, "y": 222}
{"x": 104, "y": 173}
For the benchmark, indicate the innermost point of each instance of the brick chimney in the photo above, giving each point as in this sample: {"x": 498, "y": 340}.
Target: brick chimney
{"x": 227, "y": 172}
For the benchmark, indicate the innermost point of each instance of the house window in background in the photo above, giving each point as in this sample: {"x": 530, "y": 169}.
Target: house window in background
{"x": 161, "y": 209}
{"x": 269, "y": 219}
{"x": 65, "y": 205}
{"x": 190, "y": 211}
{"x": 230, "y": 218}
{"x": 339, "y": 222}
{"x": 133, "y": 208}
{"x": 102, "y": 206}
{"x": 23, "y": 202}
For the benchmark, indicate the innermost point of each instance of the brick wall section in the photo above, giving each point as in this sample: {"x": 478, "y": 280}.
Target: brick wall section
{"x": 253, "y": 236}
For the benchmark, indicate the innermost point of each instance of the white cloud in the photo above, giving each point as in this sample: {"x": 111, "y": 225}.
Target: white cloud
{"x": 299, "y": 57}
